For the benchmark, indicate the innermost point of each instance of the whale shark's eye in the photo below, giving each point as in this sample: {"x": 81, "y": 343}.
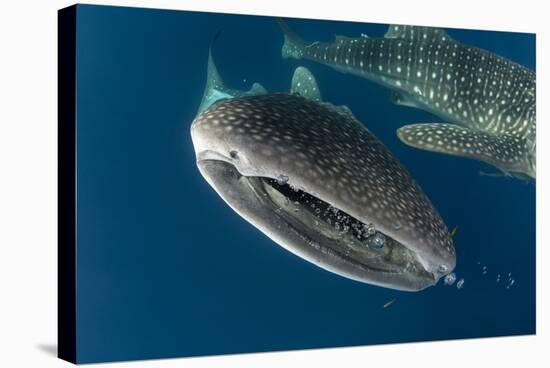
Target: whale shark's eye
{"x": 234, "y": 154}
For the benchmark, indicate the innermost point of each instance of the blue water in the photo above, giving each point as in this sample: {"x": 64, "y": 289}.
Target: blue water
{"x": 166, "y": 269}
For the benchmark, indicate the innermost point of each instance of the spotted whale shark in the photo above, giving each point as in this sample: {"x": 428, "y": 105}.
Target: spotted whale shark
{"x": 315, "y": 180}
{"x": 486, "y": 101}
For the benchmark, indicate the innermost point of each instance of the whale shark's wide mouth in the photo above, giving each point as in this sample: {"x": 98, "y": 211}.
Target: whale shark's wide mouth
{"x": 317, "y": 231}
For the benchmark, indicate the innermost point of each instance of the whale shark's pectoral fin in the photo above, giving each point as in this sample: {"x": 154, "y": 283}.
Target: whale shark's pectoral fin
{"x": 402, "y": 99}
{"x": 504, "y": 151}
{"x": 416, "y": 33}
{"x": 305, "y": 84}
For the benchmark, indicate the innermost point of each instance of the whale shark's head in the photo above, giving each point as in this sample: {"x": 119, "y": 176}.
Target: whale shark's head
{"x": 317, "y": 182}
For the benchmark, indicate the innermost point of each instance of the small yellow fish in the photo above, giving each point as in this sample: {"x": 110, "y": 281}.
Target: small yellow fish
{"x": 389, "y": 303}
{"x": 453, "y": 231}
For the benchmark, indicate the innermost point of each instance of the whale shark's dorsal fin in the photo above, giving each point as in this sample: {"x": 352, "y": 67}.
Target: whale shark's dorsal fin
{"x": 503, "y": 151}
{"x": 305, "y": 84}
{"x": 416, "y": 33}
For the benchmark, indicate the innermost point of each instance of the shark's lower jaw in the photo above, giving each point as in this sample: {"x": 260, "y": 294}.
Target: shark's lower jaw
{"x": 316, "y": 231}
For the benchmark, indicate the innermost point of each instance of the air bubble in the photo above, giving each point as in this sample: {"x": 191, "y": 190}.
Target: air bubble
{"x": 282, "y": 179}
{"x": 369, "y": 230}
{"x": 450, "y": 279}
{"x": 378, "y": 241}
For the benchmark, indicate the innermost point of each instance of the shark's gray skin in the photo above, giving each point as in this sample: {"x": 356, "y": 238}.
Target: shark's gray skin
{"x": 313, "y": 179}
{"x": 489, "y": 100}
{"x": 216, "y": 89}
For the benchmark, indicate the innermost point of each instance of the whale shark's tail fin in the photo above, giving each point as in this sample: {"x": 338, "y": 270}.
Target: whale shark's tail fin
{"x": 214, "y": 83}
{"x": 293, "y": 45}
{"x": 305, "y": 84}
{"x": 216, "y": 89}
{"x": 213, "y": 75}
{"x": 506, "y": 152}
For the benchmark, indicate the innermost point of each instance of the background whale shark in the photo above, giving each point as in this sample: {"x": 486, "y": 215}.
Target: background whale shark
{"x": 489, "y": 100}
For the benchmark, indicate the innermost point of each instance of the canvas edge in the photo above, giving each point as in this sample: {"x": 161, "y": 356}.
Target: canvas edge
{"x": 66, "y": 189}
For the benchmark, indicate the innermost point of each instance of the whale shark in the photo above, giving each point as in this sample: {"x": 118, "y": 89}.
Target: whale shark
{"x": 487, "y": 101}
{"x": 316, "y": 181}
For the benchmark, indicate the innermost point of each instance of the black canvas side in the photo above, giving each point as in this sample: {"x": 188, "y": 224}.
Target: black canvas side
{"x": 66, "y": 246}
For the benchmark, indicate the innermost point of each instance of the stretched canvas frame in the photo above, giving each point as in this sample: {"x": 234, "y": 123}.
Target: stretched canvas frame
{"x": 72, "y": 322}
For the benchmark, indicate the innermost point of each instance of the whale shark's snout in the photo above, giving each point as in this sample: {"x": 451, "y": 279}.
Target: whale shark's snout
{"x": 316, "y": 181}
